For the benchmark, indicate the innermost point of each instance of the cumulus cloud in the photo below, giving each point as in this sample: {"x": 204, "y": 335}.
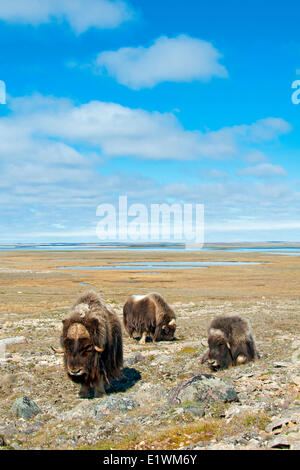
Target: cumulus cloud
{"x": 213, "y": 173}
{"x": 51, "y": 152}
{"x": 81, "y": 14}
{"x": 115, "y": 131}
{"x": 179, "y": 59}
{"x": 264, "y": 129}
{"x": 263, "y": 170}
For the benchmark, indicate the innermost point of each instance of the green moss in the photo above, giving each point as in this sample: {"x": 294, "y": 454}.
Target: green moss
{"x": 189, "y": 403}
{"x": 171, "y": 437}
{"x": 249, "y": 420}
{"x": 218, "y": 410}
{"x": 187, "y": 350}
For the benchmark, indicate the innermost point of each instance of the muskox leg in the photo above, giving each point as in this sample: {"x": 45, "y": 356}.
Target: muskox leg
{"x": 143, "y": 338}
{"x": 131, "y": 331}
{"x": 253, "y": 349}
{"x": 156, "y": 334}
{"x": 84, "y": 391}
{"x": 99, "y": 389}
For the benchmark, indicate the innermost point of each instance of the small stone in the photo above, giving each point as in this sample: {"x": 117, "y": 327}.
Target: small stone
{"x": 25, "y": 408}
{"x": 131, "y": 360}
{"x": 235, "y": 410}
{"x": 279, "y": 443}
{"x": 296, "y": 379}
{"x": 286, "y": 420}
{"x": 195, "y": 410}
{"x": 8, "y": 379}
{"x": 296, "y": 344}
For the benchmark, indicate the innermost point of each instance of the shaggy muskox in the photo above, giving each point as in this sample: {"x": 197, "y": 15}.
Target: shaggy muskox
{"x": 230, "y": 343}
{"x": 92, "y": 344}
{"x": 149, "y": 315}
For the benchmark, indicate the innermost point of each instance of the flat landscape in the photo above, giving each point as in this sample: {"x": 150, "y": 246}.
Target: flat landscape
{"x": 136, "y": 413}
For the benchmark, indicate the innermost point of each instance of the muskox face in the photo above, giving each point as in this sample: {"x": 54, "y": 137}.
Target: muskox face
{"x": 78, "y": 357}
{"x": 219, "y": 354}
{"x": 79, "y": 353}
{"x": 168, "y": 331}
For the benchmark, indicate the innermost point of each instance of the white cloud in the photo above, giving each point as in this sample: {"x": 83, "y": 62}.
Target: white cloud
{"x": 179, "y": 59}
{"x": 263, "y": 129}
{"x": 213, "y": 174}
{"x": 51, "y": 151}
{"x": 263, "y": 170}
{"x": 81, "y": 14}
{"x": 116, "y": 131}
{"x": 255, "y": 157}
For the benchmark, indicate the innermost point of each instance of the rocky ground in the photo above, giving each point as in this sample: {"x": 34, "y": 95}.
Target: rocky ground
{"x": 159, "y": 401}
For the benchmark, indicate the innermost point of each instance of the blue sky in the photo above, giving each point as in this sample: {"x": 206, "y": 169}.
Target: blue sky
{"x": 174, "y": 101}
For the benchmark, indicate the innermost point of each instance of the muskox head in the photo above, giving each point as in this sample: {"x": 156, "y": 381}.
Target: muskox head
{"x": 168, "y": 330}
{"x": 219, "y": 354}
{"x": 80, "y": 352}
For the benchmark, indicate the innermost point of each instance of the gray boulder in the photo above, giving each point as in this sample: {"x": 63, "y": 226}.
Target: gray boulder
{"x": 203, "y": 388}
{"x": 25, "y": 408}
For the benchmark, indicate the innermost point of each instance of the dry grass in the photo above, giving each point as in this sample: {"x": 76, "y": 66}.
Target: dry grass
{"x": 44, "y": 288}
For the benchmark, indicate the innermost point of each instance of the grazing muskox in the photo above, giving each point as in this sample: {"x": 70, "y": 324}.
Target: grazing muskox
{"x": 149, "y": 315}
{"x": 92, "y": 344}
{"x": 230, "y": 343}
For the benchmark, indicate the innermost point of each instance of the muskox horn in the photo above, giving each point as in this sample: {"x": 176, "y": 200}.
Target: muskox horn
{"x": 228, "y": 345}
{"x": 172, "y": 322}
{"x": 100, "y": 350}
{"x": 57, "y": 351}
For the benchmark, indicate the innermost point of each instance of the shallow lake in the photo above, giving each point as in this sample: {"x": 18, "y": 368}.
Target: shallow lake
{"x": 141, "y": 265}
{"x": 69, "y": 247}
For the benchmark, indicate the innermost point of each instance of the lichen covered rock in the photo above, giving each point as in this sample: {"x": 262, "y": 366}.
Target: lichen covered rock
{"x": 204, "y": 388}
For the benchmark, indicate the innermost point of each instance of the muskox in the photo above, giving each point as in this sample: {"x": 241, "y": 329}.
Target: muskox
{"x": 230, "y": 343}
{"x": 92, "y": 344}
{"x": 149, "y": 315}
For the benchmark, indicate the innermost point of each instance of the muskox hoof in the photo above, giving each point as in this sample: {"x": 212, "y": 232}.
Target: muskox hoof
{"x": 84, "y": 392}
{"x": 99, "y": 393}
{"x": 241, "y": 359}
{"x": 143, "y": 338}
{"x": 99, "y": 389}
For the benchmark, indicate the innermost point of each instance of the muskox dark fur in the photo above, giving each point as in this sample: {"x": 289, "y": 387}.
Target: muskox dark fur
{"x": 149, "y": 315}
{"x": 230, "y": 343}
{"x": 92, "y": 344}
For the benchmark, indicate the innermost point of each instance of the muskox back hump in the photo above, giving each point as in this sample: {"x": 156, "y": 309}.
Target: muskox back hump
{"x": 234, "y": 327}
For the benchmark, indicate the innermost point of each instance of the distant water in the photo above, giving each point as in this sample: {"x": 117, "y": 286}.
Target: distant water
{"x": 161, "y": 265}
{"x": 69, "y": 247}
{"x": 91, "y": 246}
{"x": 287, "y": 250}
